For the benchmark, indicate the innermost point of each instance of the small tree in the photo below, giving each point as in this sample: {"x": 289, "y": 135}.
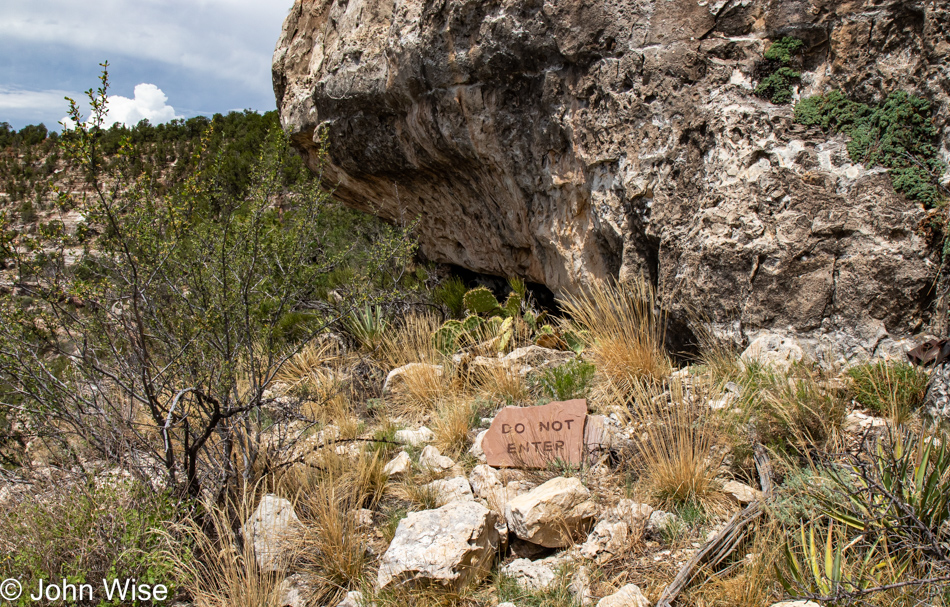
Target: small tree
{"x": 153, "y": 334}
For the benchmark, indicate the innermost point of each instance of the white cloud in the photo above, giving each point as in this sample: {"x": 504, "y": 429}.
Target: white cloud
{"x": 232, "y": 39}
{"x": 149, "y": 103}
{"x": 15, "y": 99}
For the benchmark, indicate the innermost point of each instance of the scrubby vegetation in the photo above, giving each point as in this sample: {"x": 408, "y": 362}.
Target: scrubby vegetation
{"x": 192, "y": 345}
{"x": 777, "y": 74}
{"x": 899, "y": 135}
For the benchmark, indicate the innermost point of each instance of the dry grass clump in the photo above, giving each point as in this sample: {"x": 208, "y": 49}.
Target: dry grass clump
{"x": 424, "y": 384}
{"x": 411, "y": 341}
{"x": 803, "y": 408}
{"x": 453, "y": 420}
{"x": 750, "y": 581}
{"x": 222, "y": 570}
{"x": 625, "y": 333}
{"x": 887, "y": 388}
{"x": 499, "y": 382}
{"x": 676, "y": 447}
{"x": 332, "y": 544}
{"x": 313, "y": 364}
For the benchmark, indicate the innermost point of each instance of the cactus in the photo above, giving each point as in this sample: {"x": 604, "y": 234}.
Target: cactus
{"x": 513, "y": 305}
{"x": 447, "y": 336}
{"x": 506, "y": 335}
{"x": 481, "y": 301}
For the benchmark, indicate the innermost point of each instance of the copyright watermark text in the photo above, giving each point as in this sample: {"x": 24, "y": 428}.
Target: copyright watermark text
{"x": 47, "y": 591}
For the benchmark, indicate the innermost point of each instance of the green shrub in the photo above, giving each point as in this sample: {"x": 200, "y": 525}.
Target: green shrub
{"x": 898, "y": 135}
{"x": 776, "y": 83}
{"x": 893, "y": 389}
{"x": 568, "y": 381}
{"x": 777, "y": 86}
{"x": 783, "y": 50}
{"x": 88, "y": 532}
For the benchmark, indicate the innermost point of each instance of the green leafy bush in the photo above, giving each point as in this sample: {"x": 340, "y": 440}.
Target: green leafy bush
{"x": 88, "y": 532}
{"x": 898, "y": 135}
{"x": 783, "y": 50}
{"x": 777, "y": 86}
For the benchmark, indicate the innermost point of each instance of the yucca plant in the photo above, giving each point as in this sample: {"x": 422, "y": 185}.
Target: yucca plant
{"x": 827, "y": 571}
{"x": 903, "y": 493}
{"x": 368, "y": 326}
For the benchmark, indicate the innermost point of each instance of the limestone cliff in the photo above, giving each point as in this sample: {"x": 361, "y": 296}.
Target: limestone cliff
{"x": 564, "y": 140}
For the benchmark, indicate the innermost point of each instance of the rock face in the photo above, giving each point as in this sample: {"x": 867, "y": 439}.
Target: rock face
{"x": 448, "y": 546}
{"x": 570, "y": 141}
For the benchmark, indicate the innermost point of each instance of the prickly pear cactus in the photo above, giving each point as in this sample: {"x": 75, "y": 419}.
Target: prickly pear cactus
{"x": 513, "y": 305}
{"x": 480, "y": 301}
{"x": 506, "y": 335}
{"x": 447, "y": 336}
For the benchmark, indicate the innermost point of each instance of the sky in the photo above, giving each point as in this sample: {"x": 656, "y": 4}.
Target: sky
{"x": 167, "y": 58}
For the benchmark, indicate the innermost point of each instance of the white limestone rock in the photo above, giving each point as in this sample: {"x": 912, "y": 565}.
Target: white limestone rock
{"x": 448, "y": 546}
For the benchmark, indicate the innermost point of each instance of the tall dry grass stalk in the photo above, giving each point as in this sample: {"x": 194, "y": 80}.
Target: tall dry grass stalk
{"x": 421, "y": 387}
{"x": 625, "y": 333}
{"x": 333, "y": 542}
{"x": 411, "y": 341}
{"x": 751, "y": 581}
{"x": 802, "y": 408}
{"x": 499, "y": 381}
{"x": 314, "y": 364}
{"x": 676, "y": 444}
{"x": 221, "y": 570}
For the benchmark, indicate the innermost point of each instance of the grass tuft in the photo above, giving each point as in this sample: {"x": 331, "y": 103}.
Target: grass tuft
{"x": 625, "y": 332}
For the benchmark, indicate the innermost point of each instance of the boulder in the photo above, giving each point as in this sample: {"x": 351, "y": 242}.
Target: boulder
{"x": 552, "y": 514}
{"x": 476, "y": 449}
{"x": 615, "y": 530}
{"x": 628, "y": 596}
{"x": 451, "y": 489}
{"x": 269, "y": 528}
{"x": 399, "y": 465}
{"x": 580, "y": 586}
{"x": 773, "y": 350}
{"x": 415, "y": 438}
{"x": 660, "y": 521}
{"x": 531, "y": 575}
{"x": 742, "y": 493}
{"x": 431, "y": 460}
{"x": 448, "y": 546}
{"x": 485, "y": 481}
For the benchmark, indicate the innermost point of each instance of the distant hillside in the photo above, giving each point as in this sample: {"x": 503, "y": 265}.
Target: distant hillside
{"x": 30, "y": 161}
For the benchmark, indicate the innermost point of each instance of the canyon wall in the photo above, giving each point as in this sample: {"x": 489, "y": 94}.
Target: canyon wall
{"x": 567, "y": 141}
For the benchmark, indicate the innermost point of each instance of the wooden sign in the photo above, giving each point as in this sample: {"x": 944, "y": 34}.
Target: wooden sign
{"x": 534, "y": 437}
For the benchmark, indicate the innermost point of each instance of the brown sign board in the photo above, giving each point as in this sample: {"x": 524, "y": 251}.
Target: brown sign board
{"x": 534, "y": 437}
